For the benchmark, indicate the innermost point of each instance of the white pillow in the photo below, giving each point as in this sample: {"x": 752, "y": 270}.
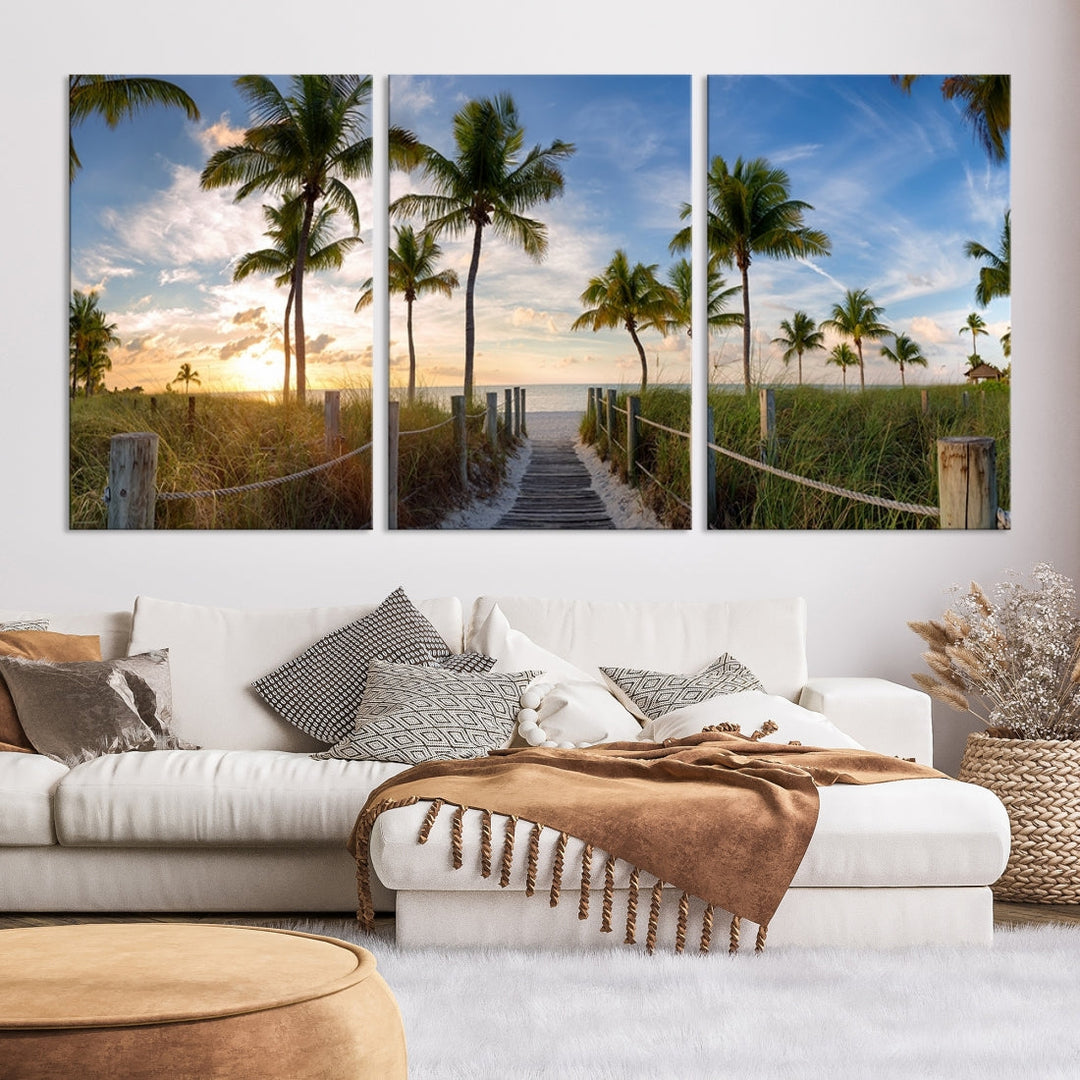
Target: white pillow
{"x": 564, "y": 706}
{"x": 750, "y": 709}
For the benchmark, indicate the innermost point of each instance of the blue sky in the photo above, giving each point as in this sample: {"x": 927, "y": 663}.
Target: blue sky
{"x": 898, "y": 183}
{"x": 161, "y": 253}
{"x": 623, "y": 188}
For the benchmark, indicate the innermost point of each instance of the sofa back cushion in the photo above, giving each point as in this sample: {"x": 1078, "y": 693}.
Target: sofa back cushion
{"x": 768, "y": 636}
{"x": 215, "y": 653}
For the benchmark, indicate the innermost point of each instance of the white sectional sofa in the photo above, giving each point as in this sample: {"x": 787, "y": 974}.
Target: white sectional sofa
{"x": 251, "y": 822}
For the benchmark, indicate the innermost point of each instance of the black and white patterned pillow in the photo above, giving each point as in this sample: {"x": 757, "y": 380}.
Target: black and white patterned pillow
{"x": 24, "y": 624}
{"x": 320, "y": 690}
{"x": 652, "y": 694}
{"x": 413, "y": 714}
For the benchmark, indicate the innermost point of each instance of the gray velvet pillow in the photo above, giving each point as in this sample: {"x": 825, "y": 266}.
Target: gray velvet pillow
{"x": 78, "y": 710}
{"x": 412, "y": 714}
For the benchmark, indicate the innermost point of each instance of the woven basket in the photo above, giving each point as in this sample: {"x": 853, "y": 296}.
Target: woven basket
{"x": 1038, "y": 780}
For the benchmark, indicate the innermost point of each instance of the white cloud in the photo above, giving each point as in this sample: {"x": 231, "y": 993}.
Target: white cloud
{"x": 214, "y": 136}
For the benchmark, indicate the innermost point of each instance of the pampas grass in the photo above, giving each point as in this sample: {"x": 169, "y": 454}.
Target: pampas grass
{"x": 1002, "y": 1013}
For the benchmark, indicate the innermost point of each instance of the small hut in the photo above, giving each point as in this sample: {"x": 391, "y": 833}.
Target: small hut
{"x": 983, "y": 372}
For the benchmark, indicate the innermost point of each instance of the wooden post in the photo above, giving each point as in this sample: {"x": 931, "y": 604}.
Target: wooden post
{"x": 393, "y": 427}
{"x": 132, "y": 480}
{"x": 509, "y": 414}
{"x": 332, "y": 420}
{"x": 153, "y": 405}
{"x": 524, "y": 414}
{"x": 492, "y": 419}
{"x": 964, "y": 400}
{"x": 633, "y": 411}
{"x": 191, "y": 413}
{"x": 767, "y": 405}
{"x": 517, "y": 411}
{"x": 925, "y": 399}
{"x": 589, "y": 401}
{"x": 712, "y": 459}
{"x": 611, "y": 394}
{"x": 461, "y": 444}
{"x": 967, "y": 482}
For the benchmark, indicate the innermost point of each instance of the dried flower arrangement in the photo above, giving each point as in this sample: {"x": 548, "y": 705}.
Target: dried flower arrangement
{"x": 1011, "y": 658}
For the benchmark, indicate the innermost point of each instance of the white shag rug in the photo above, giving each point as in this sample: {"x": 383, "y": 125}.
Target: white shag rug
{"x": 1011, "y": 1012}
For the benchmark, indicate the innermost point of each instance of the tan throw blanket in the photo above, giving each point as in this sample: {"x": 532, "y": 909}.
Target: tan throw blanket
{"x": 717, "y": 815}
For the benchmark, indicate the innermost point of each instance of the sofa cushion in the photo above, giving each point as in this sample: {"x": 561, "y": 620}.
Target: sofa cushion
{"x": 112, "y": 628}
{"x": 26, "y": 794}
{"x": 768, "y": 636}
{"x": 906, "y": 833}
{"x": 215, "y": 653}
{"x": 224, "y": 797}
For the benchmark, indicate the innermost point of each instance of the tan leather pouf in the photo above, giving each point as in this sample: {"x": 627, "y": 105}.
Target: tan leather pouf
{"x": 149, "y": 1001}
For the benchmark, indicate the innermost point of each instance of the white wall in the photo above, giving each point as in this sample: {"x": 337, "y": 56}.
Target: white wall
{"x": 861, "y": 588}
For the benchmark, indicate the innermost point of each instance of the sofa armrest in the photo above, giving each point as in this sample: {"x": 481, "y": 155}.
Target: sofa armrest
{"x": 882, "y": 715}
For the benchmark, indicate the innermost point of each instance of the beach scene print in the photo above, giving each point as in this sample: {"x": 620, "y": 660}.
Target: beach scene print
{"x": 539, "y": 316}
{"x": 219, "y": 368}
{"x": 859, "y": 329}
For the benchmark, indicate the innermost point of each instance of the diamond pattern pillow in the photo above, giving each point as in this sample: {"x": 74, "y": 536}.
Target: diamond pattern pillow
{"x": 412, "y": 714}
{"x": 320, "y": 690}
{"x": 651, "y": 694}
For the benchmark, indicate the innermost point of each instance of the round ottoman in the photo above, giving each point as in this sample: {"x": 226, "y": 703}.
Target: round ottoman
{"x": 156, "y": 1000}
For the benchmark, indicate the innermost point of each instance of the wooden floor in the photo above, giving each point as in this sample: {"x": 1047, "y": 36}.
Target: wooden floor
{"x": 556, "y": 493}
{"x": 1004, "y": 915}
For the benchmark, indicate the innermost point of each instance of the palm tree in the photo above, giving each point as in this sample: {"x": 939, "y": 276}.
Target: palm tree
{"x": 904, "y": 352}
{"x": 994, "y": 278}
{"x": 681, "y": 280}
{"x": 858, "y": 318}
{"x": 751, "y": 213}
{"x": 987, "y": 107}
{"x": 116, "y": 98}
{"x": 974, "y": 326}
{"x": 186, "y": 376}
{"x": 491, "y": 181}
{"x": 412, "y": 261}
{"x": 1006, "y": 344}
{"x": 89, "y": 338}
{"x": 800, "y": 335}
{"x": 305, "y": 145}
{"x": 285, "y": 223}
{"x": 629, "y": 296}
{"x": 843, "y": 357}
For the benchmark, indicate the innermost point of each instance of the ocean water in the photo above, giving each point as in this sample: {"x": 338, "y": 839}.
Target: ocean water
{"x": 539, "y": 397}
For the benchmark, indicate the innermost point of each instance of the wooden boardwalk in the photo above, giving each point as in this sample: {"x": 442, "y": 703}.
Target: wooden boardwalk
{"x": 556, "y": 491}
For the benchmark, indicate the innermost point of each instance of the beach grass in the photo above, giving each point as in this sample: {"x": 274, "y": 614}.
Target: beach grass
{"x": 877, "y": 442}
{"x": 232, "y": 441}
{"x": 667, "y": 457}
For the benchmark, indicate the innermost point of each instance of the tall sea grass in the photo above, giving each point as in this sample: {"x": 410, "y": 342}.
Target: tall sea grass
{"x": 232, "y": 441}
{"x": 877, "y": 442}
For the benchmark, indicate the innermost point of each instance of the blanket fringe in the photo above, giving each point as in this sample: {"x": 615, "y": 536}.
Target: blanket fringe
{"x": 631, "y": 908}
{"x": 557, "y": 869}
{"x": 485, "y": 844}
{"x": 432, "y": 814}
{"x": 762, "y": 931}
{"x": 654, "y": 916}
{"x": 365, "y": 909}
{"x": 586, "y": 881}
{"x": 706, "y": 929}
{"x": 508, "y": 851}
{"x": 534, "y": 856}
{"x": 766, "y": 729}
{"x": 455, "y": 836}
{"x": 733, "y": 941}
{"x": 684, "y": 915}
{"x": 609, "y": 894}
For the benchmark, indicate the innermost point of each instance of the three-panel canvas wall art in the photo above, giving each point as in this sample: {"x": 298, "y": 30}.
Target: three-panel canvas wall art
{"x": 546, "y": 292}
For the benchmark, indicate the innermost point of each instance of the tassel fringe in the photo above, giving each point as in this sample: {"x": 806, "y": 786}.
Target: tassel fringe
{"x": 684, "y": 915}
{"x": 432, "y": 814}
{"x": 586, "y": 881}
{"x": 631, "y": 908}
{"x": 706, "y": 929}
{"x": 485, "y": 844}
{"x": 733, "y": 942}
{"x": 766, "y": 729}
{"x": 534, "y": 855}
{"x": 365, "y": 909}
{"x": 609, "y": 894}
{"x": 508, "y": 851}
{"x": 455, "y": 836}
{"x": 654, "y": 916}
{"x": 557, "y": 870}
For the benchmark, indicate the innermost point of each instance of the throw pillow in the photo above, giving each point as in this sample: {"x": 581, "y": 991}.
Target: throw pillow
{"x": 36, "y": 645}
{"x": 649, "y": 694}
{"x": 750, "y": 709}
{"x": 24, "y": 624}
{"x": 320, "y": 690}
{"x": 413, "y": 714}
{"x": 564, "y": 706}
{"x": 76, "y": 711}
